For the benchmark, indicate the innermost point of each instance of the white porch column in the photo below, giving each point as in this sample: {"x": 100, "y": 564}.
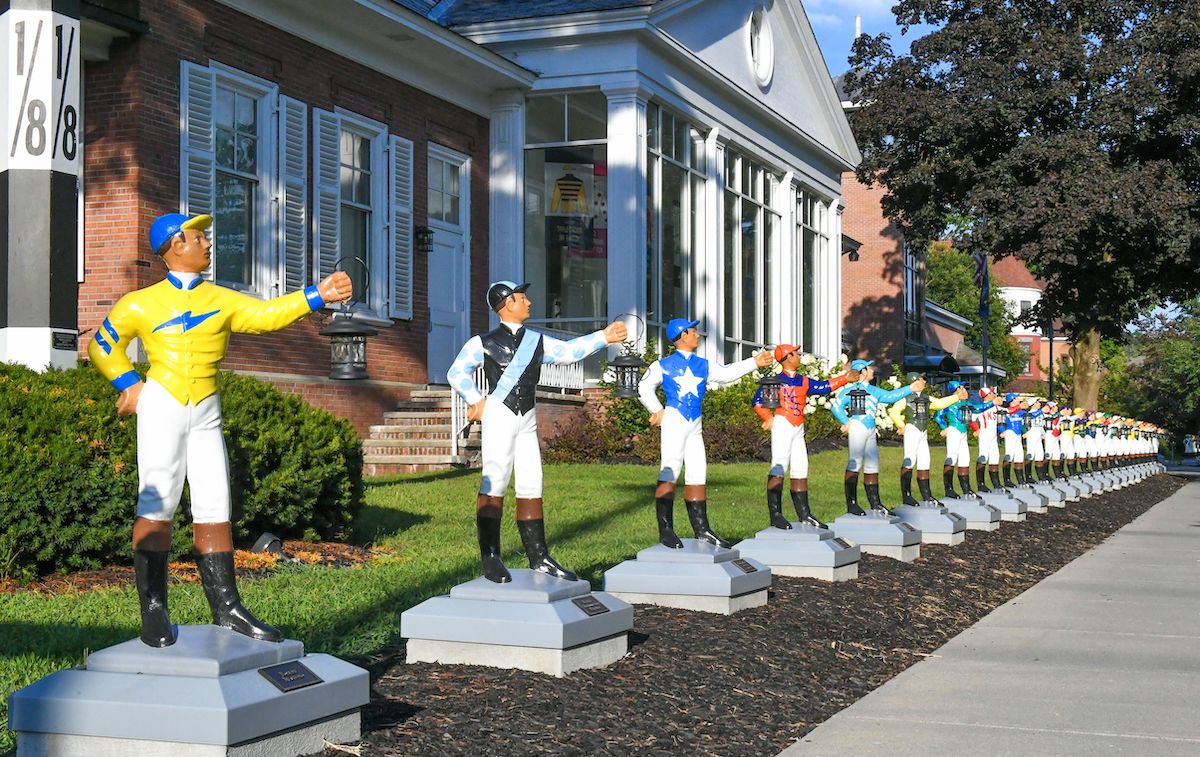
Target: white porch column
{"x": 708, "y": 269}
{"x": 832, "y": 312}
{"x": 626, "y": 200}
{"x": 506, "y": 189}
{"x": 783, "y": 278}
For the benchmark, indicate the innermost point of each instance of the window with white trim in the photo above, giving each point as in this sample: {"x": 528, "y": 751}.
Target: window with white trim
{"x": 751, "y": 227}
{"x": 244, "y": 155}
{"x": 363, "y": 210}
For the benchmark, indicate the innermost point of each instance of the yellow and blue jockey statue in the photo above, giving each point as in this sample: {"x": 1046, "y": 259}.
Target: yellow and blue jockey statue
{"x": 184, "y": 323}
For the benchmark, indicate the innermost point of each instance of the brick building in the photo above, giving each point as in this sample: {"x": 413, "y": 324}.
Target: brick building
{"x": 1045, "y": 347}
{"x": 415, "y": 136}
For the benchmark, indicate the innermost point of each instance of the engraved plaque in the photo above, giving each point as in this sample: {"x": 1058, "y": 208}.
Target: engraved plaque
{"x": 290, "y": 676}
{"x": 590, "y": 605}
{"x": 745, "y": 566}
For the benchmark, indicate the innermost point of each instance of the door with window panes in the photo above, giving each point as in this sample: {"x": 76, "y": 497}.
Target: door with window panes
{"x": 449, "y": 260}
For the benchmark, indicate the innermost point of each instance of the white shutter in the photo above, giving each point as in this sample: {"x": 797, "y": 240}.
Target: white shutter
{"x": 293, "y": 180}
{"x": 197, "y": 179}
{"x": 401, "y": 201}
{"x": 326, "y": 210}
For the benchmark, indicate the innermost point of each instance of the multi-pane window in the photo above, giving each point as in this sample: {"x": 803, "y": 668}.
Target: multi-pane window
{"x": 914, "y": 293}
{"x": 443, "y": 194}
{"x": 566, "y": 209}
{"x": 675, "y": 182}
{"x": 751, "y": 230}
{"x": 812, "y": 246}
{"x": 355, "y": 182}
{"x": 241, "y": 184}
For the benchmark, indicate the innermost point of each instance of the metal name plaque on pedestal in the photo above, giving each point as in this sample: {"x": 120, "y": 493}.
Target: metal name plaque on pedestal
{"x": 590, "y": 605}
{"x": 745, "y": 566}
{"x": 289, "y": 676}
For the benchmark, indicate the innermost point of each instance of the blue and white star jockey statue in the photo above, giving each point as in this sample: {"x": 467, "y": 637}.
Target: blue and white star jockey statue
{"x": 859, "y": 423}
{"x": 684, "y": 377}
{"x": 184, "y": 323}
{"x": 512, "y": 357}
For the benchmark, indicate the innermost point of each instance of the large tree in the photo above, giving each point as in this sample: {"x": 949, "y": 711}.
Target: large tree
{"x": 1067, "y": 130}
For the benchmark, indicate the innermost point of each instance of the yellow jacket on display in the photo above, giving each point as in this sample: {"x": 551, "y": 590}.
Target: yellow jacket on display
{"x": 185, "y": 332}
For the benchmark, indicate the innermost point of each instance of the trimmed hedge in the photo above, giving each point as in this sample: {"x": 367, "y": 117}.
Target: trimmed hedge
{"x": 68, "y": 469}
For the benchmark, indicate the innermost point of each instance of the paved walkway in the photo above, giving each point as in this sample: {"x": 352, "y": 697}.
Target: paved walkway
{"x": 1103, "y": 657}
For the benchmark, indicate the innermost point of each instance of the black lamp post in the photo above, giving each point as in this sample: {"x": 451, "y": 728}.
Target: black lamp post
{"x": 628, "y": 369}
{"x": 770, "y": 386}
{"x": 964, "y": 414}
{"x": 347, "y": 338}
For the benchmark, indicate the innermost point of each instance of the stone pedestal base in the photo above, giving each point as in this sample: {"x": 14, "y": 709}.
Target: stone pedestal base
{"x": 1011, "y": 509}
{"x": 699, "y": 577}
{"x": 805, "y": 551}
{"x": 1053, "y": 497}
{"x": 536, "y": 622}
{"x": 936, "y": 523}
{"x": 879, "y": 533}
{"x": 1034, "y": 502}
{"x": 214, "y": 692}
{"x": 979, "y": 515}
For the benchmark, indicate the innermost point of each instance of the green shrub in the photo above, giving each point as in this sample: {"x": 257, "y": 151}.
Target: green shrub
{"x": 68, "y": 481}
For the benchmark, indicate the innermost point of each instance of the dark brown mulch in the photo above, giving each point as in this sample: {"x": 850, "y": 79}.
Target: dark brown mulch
{"x": 248, "y": 564}
{"x": 750, "y": 684}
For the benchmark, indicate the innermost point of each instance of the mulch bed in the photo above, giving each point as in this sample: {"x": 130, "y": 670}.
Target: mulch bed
{"x": 248, "y": 565}
{"x": 748, "y": 684}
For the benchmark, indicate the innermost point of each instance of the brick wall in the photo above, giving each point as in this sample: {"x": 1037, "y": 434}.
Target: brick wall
{"x": 132, "y": 164}
{"x": 873, "y": 286}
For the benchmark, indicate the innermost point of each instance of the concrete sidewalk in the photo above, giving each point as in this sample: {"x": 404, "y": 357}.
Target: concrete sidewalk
{"x": 1103, "y": 657}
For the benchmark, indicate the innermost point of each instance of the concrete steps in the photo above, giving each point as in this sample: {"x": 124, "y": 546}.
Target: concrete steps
{"x": 415, "y": 437}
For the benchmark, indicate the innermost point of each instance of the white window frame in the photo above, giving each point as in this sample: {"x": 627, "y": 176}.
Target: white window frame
{"x": 375, "y": 305}
{"x": 265, "y": 276}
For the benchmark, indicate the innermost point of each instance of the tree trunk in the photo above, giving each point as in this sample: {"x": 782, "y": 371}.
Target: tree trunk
{"x": 1085, "y": 359}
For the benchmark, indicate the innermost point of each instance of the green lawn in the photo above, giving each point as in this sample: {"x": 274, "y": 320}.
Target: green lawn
{"x": 597, "y": 516}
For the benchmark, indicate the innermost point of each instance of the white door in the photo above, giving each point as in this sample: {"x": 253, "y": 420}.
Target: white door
{"x": 449, "y": 260}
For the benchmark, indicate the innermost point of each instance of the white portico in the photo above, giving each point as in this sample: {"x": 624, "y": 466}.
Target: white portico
{"x": 674, "y": 158}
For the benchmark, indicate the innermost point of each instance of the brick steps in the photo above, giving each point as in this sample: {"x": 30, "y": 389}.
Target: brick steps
{"x": 415, "y": 437}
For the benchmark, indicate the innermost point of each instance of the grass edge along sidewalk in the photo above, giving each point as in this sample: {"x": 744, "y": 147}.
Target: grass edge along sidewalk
{"x": 598, "y": 515}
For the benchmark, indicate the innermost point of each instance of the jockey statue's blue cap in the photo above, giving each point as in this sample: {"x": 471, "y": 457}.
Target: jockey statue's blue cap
{"x": 1010, "y": 397}
{"x": 167, "y": 226}
{"x": 954, "y": 386}
{"x": 677, "y": 326}
{"x": 500, "y": 291}
{"x": 858, "y": 365}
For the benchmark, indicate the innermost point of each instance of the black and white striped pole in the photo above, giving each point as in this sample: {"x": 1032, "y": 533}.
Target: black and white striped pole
{"x": 41, "y": 159}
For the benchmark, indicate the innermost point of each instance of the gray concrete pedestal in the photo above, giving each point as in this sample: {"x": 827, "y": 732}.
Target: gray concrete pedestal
{"x": 879, "y": 533}
{"x": 700, "y": 576}
{"x": 1034, "y": 502}
{"x": 1011, "y": 509}
{"x": 1053, "y": 497}
{"x": 536, "y": 622}
{"x": 214, "y": 692}
{"x": 936, "y": 523}
{"x": 980, "y": 516}
{"x": 804, "y": 551}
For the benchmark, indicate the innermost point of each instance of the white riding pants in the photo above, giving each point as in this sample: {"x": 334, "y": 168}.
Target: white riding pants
{"x": 178, "y": 442}
{"x": 863, "y": 448}
{"x": 788, "y": 449}
{"x": 916, "y": 448}
{"x": 1033, "y": 445}
{"x": 989, "y": 448}
{"x": 682, "y": 446}
{"x": 958, "y": 450}
{"x": 509, "y": 446}
{"x": 1012, "y": 447}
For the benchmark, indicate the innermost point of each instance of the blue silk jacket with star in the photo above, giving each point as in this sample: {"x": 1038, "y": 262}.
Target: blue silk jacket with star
{"x": 676, "y": 366}
{"x": 185, "y": 332}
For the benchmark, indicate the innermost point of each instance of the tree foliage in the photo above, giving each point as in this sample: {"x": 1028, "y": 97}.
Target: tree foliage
{"x": 1067, "y": 131}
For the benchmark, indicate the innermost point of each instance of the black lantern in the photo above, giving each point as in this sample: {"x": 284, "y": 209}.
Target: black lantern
{"x": 920, "y": 406}
{"x": 1001, "y": 416}
{"x": 423, "y": 239}
{"x": 769, "y": 387}
{"x": 347, "y": 338}
{"x": 964, "y": 414}
{"x": 347, "y": 347}
{"x": 628, "y": 369}
{"x": 858, "y": 401}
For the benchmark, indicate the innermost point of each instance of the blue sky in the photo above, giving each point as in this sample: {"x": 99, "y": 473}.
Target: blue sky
{"x": 833, "y": 22}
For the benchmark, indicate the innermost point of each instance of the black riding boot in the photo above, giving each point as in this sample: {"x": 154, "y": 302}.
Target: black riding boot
{"x": 1073, "y": 467}
{"x": 1029, "y": 471}
{"x": 926, "y": 490}
{"x": 994, "y": 475}
{"x": 664, "y": 509}
{"x": 948, "y": 483}
{"x": 150, "y": 575}
{"x": 533, "y": 536}
{"x": 775, "y": 508}
{"x": 906, "y": 486}
{"x": 850, "y": 486}
{"x": 981, "y": 477}
{"x": 1019, "y": 472}
{"x": 964, "y": 483}
{"x": 220, "y": 587}
{"x": 800, "y": 502}
{"x": 873, "y": 498}
{"x": 697, "y": 511}
{"x": 488, "y": 531}
{"x": 1008, "y": 482}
